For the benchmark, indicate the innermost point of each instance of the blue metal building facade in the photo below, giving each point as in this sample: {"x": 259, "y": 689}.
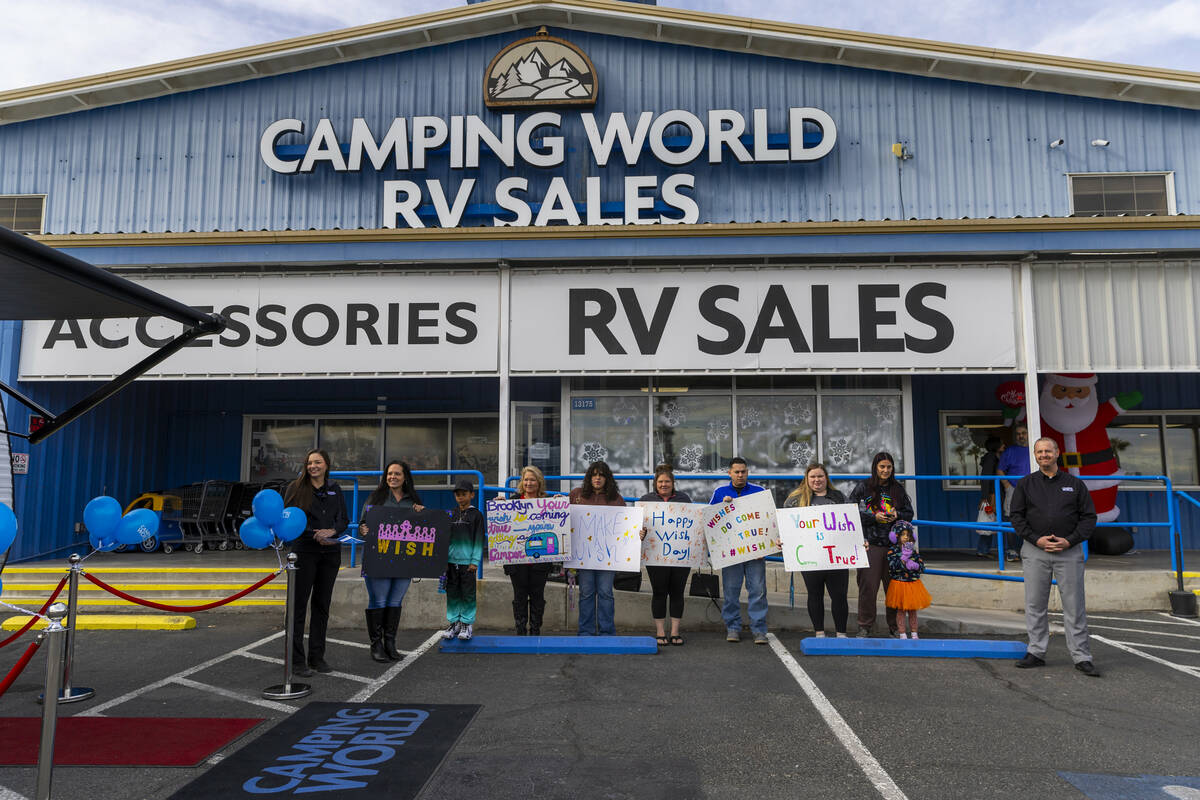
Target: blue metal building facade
{"x": 189, "y": 162}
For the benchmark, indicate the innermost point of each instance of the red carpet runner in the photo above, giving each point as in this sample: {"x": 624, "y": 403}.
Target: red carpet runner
{"x": 121, "y": 741}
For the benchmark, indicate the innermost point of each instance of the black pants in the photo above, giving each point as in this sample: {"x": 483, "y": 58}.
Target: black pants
{"x": 667, "y": 582}
{"x": 837, "y": 581}
{"x": 529, "y": 593}
{"x": 315, "y": 575}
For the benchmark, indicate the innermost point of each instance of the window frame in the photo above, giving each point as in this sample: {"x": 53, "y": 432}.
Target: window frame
{"x": 41, "y": 226}
{"x": 1168, "y": 187}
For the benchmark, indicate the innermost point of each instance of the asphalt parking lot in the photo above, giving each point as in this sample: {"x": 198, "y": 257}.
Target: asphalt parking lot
{"x": 706, "y": 720}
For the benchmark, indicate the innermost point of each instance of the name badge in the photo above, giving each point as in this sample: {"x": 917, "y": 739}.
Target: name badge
{"x": 1068, "y": 488}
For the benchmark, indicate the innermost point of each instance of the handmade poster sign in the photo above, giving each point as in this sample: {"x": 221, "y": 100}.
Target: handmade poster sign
{"x": 821, "y": 537}
{"x": 402, "y": 543}
{"x": 740, "y": 529}
{"x": 606, "y": 537}
{"x": 527, "y": 531}
{"x": 673, "y": 534}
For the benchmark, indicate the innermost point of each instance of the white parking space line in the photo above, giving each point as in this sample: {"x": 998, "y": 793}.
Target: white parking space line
{"x": 232, "y": 695}
{"x": 98, "y": 711}
{"x": 1192, "y": 636}
{"x": 335, "y": 674}
{"x": 1164, "y": 647}
{"x": 1180, "y": 620}
{"x": 374, "y": 686}
{"x": 1193, "y": 671}
{"x": 1137, "y": 619}
{"x": 348, "y": 643}
{"x": 875, "y": 772}
{"x": 9, "y": 794}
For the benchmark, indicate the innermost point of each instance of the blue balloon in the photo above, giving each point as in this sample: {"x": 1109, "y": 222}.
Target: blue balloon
{"x": 101, "y": 516}
{"x": 254, "y": 534}
{"x": 137, "y": 526}
{"x": 291, "y": 524}
{"x": 105, "y": 544}
{"x": 8, "y": 527}
{"x": 268, "y": 507}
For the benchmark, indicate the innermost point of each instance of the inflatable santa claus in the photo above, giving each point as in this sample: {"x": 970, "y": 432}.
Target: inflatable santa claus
{"x": 1078, "y": 422}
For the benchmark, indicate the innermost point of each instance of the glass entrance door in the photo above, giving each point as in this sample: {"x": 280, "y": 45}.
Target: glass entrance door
{"x": 536, "y": 433}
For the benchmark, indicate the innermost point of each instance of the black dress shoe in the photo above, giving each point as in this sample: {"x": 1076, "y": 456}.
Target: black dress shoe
{"x": 1030, "y": 660}
{"x": 319, "y": 665}
{"x": 301, "y": 671}
{"x": 1088, "y": 668}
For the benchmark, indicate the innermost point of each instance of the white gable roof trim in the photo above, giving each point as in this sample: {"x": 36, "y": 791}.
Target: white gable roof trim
{"x": 650, "y": 23}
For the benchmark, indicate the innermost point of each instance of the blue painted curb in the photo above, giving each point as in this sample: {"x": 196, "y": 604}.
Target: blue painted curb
{"x": 913, "y": 648}
{"x": 543, "y": 645}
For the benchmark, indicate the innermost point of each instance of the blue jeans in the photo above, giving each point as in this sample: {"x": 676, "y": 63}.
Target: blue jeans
{"x": 755, "y": 574}
{"x": 596, "y": 602}
{"x": 386, "y": 592}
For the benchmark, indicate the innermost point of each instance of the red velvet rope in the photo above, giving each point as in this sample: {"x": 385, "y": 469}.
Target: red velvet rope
{"x": 20, "y": 665}
{"x": 181, "y": 609}
{"x": 36, "y": 617}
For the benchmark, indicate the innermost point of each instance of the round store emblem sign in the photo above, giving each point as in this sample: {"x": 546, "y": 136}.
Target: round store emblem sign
{"x": 541, "y": 70}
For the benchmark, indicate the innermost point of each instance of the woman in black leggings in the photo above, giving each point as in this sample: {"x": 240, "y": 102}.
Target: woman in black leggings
{"x": 815, "y": 491}
{"x": 666, "y": 582}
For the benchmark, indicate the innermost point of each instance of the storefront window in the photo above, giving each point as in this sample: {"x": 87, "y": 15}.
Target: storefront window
{"x": 476, "y": 445}
{"x": 1183, "y": 445}
{"x": 610, "y": 429}
{"x": 278, "y": 447}
{"x": 1138, "y": 444}
{"x": 778, "y": 433}
{"x": 964, "y": 435}
{"x": 693, "y": 433}
{"x": 422, "y": 443}
{"x": 352, "y": 444}
{"x": 537, "y": 431}
{"x": 855, "y": 428}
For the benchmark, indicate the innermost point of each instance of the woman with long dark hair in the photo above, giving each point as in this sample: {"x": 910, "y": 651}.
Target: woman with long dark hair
{"x": 881, "y": 501}
{"x": 318, "y": 557}
{"x": 596, "y": 609}
{"x": 816, "y": 491}
{"x": 385, "y": 596}
{"x": 529, "y": 580}
{"x": 666, "y": 582}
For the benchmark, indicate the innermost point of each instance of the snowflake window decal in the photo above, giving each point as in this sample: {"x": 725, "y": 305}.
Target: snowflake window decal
{"x": 688, "y": 458}
{"x": 801, "y": 454}
{"x": 797, "y": 412}
{"x": 590, "y": 452}
{"x": 838, "y": 451}
{"x": 672, "y": 414}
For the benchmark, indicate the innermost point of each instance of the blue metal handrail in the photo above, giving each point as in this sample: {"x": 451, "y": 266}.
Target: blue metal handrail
{"x": 354, "y": 475}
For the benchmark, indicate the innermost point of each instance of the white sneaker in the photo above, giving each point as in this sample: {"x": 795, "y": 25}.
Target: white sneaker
{"x": 452, "y": 631}
{"x": 465, "y": 633}
{"x": 841, "y": 636}
{"x": 901, "y": 635}
{"x": 914, "y": 635}
{"x": 819, "y": 634}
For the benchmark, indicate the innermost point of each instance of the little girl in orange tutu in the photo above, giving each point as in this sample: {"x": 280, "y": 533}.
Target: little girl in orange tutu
{"x": 905, "y": 591}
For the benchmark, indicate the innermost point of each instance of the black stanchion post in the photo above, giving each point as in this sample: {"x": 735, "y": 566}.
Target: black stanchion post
{"x": 288, "y": 690}
{"x": 54, "y": 636}
{"x": 71, "y": 694}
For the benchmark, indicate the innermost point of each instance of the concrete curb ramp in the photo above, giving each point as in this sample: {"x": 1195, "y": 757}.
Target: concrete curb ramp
{"x": 114, "y": 622}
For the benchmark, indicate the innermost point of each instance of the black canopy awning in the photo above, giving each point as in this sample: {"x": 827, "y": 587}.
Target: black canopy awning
{"x": 40, "y": 282}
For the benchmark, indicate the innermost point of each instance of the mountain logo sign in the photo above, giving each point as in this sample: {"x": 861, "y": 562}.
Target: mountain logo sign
{"x": 541, "y": 70}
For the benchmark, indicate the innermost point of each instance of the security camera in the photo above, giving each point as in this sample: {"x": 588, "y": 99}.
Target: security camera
{"x": 1099, "y": 142}
{"x": 1057, "y": 143}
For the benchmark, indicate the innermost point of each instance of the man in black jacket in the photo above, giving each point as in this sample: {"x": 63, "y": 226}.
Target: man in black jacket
{"x": 1053, "y": 512}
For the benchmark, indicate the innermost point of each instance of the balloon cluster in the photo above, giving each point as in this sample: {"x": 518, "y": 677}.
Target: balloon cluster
{"x": 8, "y": 529}
{"x": 271, "y": 521}
{"x": 108, "y": 529}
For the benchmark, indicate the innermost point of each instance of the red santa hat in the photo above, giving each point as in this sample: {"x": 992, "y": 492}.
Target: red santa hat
{"x": 1072, "y": 379}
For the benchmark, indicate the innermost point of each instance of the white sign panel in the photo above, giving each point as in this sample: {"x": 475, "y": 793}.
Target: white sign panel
{"x": 606, "y": 537}
{"x": 346, "y": 325}
{"x": 529, "y": 531}
{"x": 674, "y": 534}
{"x": 741, "y": 529}
{"x": 821, "y": 537}
{"x": 821, "y": 318}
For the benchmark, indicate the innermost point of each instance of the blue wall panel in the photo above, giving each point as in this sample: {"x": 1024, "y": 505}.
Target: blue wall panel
{"x": 1162, "y": 392}
{"x": 190, "y": 161}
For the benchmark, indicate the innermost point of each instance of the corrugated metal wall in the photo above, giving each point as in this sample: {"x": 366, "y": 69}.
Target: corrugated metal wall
{"x": 190, "y": 161}
{"x": 1100, "y": 316}
{"x": 969, "y": 393}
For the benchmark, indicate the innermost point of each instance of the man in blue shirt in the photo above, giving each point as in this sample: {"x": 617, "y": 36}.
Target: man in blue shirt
{"x": 753, "y": 572}
{"x": 1014, "y": 463}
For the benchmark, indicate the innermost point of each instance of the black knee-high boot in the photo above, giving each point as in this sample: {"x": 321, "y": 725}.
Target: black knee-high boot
{"x": 375, "y": 633}
{"x": 391, "y": 621}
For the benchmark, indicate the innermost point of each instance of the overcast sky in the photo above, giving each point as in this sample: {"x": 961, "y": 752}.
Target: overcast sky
{"x": 52, "y": 40}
